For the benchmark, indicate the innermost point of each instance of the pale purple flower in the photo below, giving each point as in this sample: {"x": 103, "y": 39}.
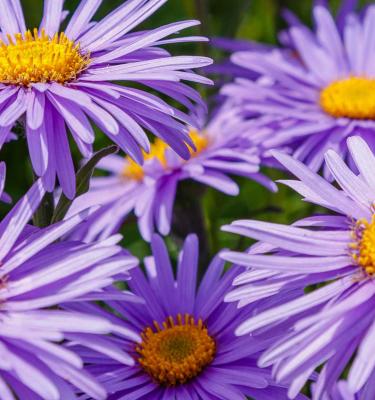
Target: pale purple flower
{"x": 149, "y": 191}
{"x": 59, "y": 83}
{"x": 314, "y": 94}
{"x": 37, "y": 273}
{"x": 332, "y": 325}
{"x": 199, "y": 356}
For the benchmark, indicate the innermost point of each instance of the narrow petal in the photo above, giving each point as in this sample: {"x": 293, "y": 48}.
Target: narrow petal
{"x": 52, "y": 16}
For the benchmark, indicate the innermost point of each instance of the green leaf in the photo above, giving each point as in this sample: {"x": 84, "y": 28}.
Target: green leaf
{"x": 43, "y": 214}
{"x": 82, "y": 182}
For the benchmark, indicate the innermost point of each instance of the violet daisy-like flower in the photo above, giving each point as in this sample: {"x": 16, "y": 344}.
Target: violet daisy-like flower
{"x": 61, "y": 79}
{"x": 38, "y": 272}
{"x": 221, "y": 149}
{"x": 321, "y": 91}
{"x": 188, "y": 348}
{"x": 333, "y": 325}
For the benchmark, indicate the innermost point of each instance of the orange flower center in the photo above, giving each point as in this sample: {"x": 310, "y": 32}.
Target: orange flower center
{"x": 177, "y": 351}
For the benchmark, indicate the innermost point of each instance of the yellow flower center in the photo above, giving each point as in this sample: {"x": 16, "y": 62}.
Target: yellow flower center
{"x": 134, "y": 171}
{"x": 200, "y": 141}
{"x": 363, "y": 249}
{"x": 353, "y": 97}
{"x": 35, "y": 57}
{"x": 176, "y": 352}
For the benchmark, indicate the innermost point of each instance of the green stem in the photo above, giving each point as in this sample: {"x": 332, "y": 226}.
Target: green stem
{"x": 188, "y": 217}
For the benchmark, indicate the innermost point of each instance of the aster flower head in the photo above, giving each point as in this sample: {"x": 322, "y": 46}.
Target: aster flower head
{"x": 37, "y": 273}
{"x": 221, "y": 150}
{"x": 188, "y": 348}
{"x": 317, "y": 92}
{"x": 59, "y": 80}
{"x": 335, "y": 322}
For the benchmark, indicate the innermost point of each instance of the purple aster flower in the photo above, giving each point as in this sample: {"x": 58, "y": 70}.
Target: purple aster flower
{"x": 334, "y": 324}
{"x": 188, "y": 348}
{"x": 37, "y": 273}
{"x": 315, "y": 94}
{"x": 220, "y": 150}
{"x": 60, "y": 80}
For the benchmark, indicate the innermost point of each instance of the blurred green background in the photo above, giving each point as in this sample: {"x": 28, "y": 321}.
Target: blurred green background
{"x": 246, "y": 19}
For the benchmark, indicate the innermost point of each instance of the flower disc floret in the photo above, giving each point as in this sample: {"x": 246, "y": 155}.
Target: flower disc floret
{"x": 37, "y": 58}
{"x": 364, "y": 246}
{"x": 177, "y": 351}
{"x": 158, "y": 150}
{"x": 353, "y": 97}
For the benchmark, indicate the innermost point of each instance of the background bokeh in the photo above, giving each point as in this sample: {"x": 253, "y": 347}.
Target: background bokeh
{"x": 258, "y": 20}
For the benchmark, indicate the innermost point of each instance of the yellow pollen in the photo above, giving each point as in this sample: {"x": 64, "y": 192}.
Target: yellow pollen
{"x": 177, "y": 351}
{"x": 158, "y": 149}
{"x": 363, "y": 249}
{"x": 35, "y": 57}
{"x": 353, "y": 97}
{"x": 200, "y": 141}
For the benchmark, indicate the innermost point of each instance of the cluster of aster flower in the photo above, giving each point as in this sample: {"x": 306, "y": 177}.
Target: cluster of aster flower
{"x": 80, "y": 316}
